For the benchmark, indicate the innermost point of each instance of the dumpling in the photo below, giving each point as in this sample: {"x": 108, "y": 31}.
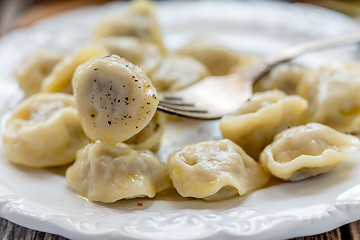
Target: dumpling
{"x": 176, "y": 72}
{"x": 257, "y": 122}
{"x": 305, "y": 151}
{"x": 35, "y": 68}
{"x": 284, "y": 77}
{"x": 245, "y": 61}
{"x": 137, "y": 20}
{"x": 218, "y": 59}
{"x": 149, "y": 138}
{"x": 146, "y": 55}
{"x": 107, "y": 173}
{"x": 60, "y": 77}
{"x": 114, "y": 98}
{"x": 333, "y": 95}
{"x": 214, "y": 170}
{"x": 44, "y": 131}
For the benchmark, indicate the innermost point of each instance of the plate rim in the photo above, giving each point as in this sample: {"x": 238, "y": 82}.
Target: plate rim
{"x": 9, "y": 200}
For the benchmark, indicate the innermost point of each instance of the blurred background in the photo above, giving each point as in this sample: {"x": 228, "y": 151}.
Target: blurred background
{"x": 23, "y": 13}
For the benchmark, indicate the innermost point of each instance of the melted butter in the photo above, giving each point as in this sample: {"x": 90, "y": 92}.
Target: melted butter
{"x": 59, "y": 170}
{"x": 170, "y": 194}
{"x": 352, "y": 111}
{"x": 273, "y": 181}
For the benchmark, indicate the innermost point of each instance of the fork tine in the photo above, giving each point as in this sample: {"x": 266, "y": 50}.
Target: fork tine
{"x": 194, "y": 114}
{"x": 174, "y": 100}
{"x": 182, "y": 107}
{"x": 168, "y": 97}
{"x": 177, "y": 103}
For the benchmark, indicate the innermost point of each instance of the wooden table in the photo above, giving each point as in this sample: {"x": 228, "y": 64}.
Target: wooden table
{"x": 11, "y": 231}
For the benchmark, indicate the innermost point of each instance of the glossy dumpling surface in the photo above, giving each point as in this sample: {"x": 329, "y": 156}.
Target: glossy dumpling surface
{"x": 59, "y": 79}
{"x": 137, "y": 20}
{"x": 218, "y": 59}
{"x": 107, "y": 173}
{"x": 257, "y": 122}
{"x": 144, "y": 54}
{"x": 214, "y": 170}
{"x": 114, "y": 98}
{"x": 308, "y": 150}
{"x": 176, "y": 72}
{"x": 44, "y": 131}
{"x": 31, "y": 72}
{"x": 333, "y": 95}
{"x": 245, "y": 61}
{"x": 284, "y": 77}
{"x": 149, "y": 138}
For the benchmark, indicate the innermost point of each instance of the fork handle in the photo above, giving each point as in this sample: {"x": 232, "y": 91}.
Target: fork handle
{"x": 313, "y": 46}
{"x": 301, "y": 49}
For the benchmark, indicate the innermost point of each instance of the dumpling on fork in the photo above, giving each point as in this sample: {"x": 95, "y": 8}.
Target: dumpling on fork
{"x": 115, "y": 99}
{"x": 214, "y": 170}
{"x": 107, "y": 173}
{"x": 306, "y": 151}
{"x": 44, "y": 131}
{"x": 149, "y": 138}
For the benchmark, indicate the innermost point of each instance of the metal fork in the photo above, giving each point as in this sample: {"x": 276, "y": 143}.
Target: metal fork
{"x": 215, "y": 96}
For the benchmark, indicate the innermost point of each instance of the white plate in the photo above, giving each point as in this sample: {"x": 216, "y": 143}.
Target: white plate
{"x": 40, "y": 199}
